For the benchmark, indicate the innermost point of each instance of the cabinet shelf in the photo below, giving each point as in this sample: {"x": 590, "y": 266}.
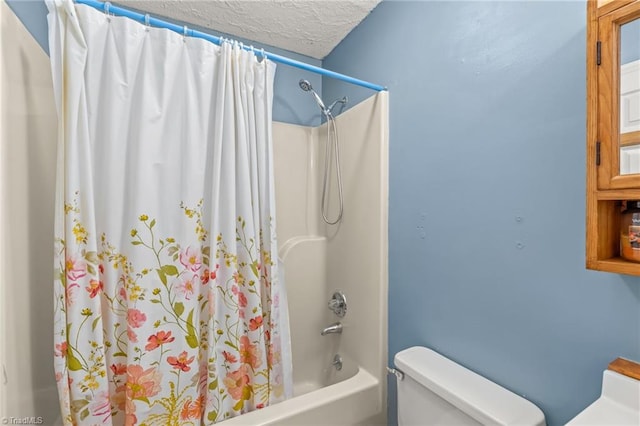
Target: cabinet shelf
{"x": 616, "y": 265}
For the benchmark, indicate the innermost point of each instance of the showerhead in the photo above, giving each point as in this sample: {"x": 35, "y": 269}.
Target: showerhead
{"x": 306, "y": 86}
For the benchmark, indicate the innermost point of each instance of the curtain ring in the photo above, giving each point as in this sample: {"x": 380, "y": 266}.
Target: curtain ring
{"x": 264, "y": 55}
{"x": 147, "y": 20}
{"x": 107, "y": 7}
{"x": 185, "y": 33}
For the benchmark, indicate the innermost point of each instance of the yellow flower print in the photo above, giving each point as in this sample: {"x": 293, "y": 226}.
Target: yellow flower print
{"x": 134, "y": 232}
{"x": 80, "y": 233}
{"x": 143, "y": 217}
{"x": 86, "y": 312}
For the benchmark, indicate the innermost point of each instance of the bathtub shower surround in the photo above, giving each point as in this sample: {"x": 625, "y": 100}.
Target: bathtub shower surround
{"x": 321, "y": 259}
{"x": 169, "y": 307}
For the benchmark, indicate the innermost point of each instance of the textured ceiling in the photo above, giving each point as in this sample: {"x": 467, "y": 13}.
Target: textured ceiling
{"x": 309, "y": 27}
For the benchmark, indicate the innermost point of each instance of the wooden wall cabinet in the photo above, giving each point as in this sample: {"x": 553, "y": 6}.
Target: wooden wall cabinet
{"x": 613, "y": 142}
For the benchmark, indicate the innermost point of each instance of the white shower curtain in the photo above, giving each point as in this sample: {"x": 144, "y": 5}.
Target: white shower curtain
{"x": 168, "y": 305}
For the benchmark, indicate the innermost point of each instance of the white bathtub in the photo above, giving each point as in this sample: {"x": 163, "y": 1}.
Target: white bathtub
{"x": 348, "y": 402}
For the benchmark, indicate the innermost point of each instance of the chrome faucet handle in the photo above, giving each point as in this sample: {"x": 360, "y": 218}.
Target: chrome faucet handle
{"x": 338, "y": 304}
{"x": 337, "y": 362}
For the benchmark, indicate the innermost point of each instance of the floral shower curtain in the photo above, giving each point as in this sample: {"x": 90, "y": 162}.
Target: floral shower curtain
{"x": 168, "y": 305}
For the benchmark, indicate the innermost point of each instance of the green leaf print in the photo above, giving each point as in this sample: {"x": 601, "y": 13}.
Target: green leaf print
{"x": 78, "y": 404}
{"x": 239, "y": 405}
{"x": 179, "y": 308}
{"x": 192, "y": 341}
{"x": 191, "y": 338}
{"x": 84, "y": 414}
{"x": 91, "y": 256}
{"x": 170, "y": 270}
{"x": 162, "y": 275}
{"x": 94, "y": 323}
{"x": 213, "y": 385}
{"x": 254, "y": 268}
{"x": 212, "y": 416}
{"x": 72, "y": 362}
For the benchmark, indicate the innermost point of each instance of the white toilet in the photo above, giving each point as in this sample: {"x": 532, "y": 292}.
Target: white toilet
{"x": 437, "y": 391}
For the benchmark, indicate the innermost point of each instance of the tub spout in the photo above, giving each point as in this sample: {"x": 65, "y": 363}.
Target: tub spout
{"x": 332, "y": 329}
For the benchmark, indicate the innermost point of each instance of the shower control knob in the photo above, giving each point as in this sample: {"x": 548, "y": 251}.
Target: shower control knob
{"x": 338, "y": 304}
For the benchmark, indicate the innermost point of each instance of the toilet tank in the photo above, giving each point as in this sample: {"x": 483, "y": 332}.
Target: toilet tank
{"x": 437, "y": 391}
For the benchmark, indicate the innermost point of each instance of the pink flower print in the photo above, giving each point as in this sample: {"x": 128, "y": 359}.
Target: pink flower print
{"x": 71, "y": 292}
{"x": 191, "y": 259}
{"x": 193, "y": 409}
{"x": 211, "y": 298}
{"x": 255, "y": 323}
{"x": 122, "y": 293}
{"x": 234, "y": 289}
{"x": 241, "y": 313}
{"x": 249, "y": 353}
{"x": 242, "y": 300}
{"x": 101, "y": 268}
{"x": 101, "y": 406}
{"x": 259, "y": 406}
{"x": 205, "y": 277}
{"x": 75, "y": 268}
{"x": 274, "y": 356}
{"x": 181, "y": 362}
{"x": 61, "y": 349}
{"x": 159, "y": 339}
{"x": 229, "y": 357}
{"x": 58, "y": 376}
{"x": 237, "y": 383}
{"x": 141, "y": 383}
{"x": 200, "y": 380}
{"x": 214, "y": 273}
{"x": 135, "y": 318}
{"x": 133, "y": 337}
{"x": 188, "y": 287}
{"x": 94, "y": 288}
{"x": 118, "y": 369}
{"x": 130, "y": 419}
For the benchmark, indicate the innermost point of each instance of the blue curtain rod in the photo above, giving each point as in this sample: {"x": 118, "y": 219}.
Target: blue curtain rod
{"x": 145, "y": 19}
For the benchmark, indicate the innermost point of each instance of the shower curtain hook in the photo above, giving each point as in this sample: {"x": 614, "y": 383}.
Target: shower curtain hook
{"x": 147, "y": 20}
{"x": 107, "y": 7}
{"x": 264, "y": 56}
{"x": 185, "y": 34}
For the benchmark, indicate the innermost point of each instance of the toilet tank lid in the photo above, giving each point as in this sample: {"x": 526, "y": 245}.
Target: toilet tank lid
{"x": 477, "y": 396}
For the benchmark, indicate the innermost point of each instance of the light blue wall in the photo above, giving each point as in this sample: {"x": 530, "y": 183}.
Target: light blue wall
{"x": 630, "y": 42}
{"x": 487, "y": 194}
{"x": 290, "y": 103}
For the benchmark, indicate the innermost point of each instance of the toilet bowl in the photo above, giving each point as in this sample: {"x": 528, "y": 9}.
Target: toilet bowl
{"x": 433, "y": 390}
